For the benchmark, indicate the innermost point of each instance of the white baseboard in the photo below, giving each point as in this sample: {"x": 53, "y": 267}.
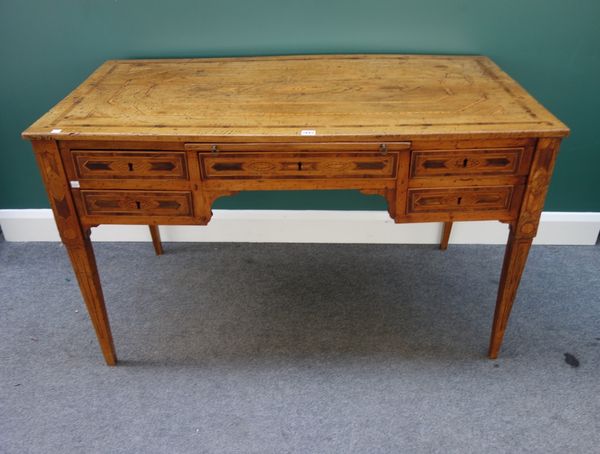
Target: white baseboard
{"x": 282, "y": 226}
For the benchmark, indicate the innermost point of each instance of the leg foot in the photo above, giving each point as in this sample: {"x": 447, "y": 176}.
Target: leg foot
{"x": 446, "y": 235}
{"x": 84, "y": 265}
{"x": 155, "y": 234}
{"x": 515, "y": 258}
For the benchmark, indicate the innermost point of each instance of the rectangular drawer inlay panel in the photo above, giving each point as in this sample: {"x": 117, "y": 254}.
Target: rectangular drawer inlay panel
{"x": 137, "y": 203}
{"x": 503, "y": 161}
{"x": 129, "y": 164}
{"x": 459, "y": 199}
{"x": 299, "y": 165}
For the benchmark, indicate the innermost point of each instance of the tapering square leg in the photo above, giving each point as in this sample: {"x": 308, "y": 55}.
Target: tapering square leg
{"x": 515, "y": 258}
{"x": 86, "y": 271}
{"x": 522, "y": 233}
{"x": 155, "y": 234}
{"x": 446, "y": 235}
{"x": 77, "y": 242}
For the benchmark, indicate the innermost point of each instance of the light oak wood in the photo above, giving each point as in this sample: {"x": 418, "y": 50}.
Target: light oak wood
{"x": 391, "y": 96}
{"x": 151, "y": 142}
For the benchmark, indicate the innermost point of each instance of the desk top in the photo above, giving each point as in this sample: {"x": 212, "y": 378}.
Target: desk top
{"x": 350, "y": 97}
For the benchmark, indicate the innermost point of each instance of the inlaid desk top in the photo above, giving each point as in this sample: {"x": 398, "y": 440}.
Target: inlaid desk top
{"x": 157, "y": 141}
{"x": 340, "y": 96}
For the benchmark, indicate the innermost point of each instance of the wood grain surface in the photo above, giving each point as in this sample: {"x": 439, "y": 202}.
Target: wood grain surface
{"x": 393, "y": 96}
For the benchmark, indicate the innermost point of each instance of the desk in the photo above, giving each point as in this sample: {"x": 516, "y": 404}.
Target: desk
{"x": 157, "y": 141}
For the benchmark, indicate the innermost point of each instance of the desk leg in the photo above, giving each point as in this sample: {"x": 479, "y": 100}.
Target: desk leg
{"x": 446, "y": 235}
{"x": 515, "y": 258}
{"x": 155, "y": 234}
{"x": 522, "y": 233}
{"x": 84, "y": 264}
{"x": 76, "y": 240}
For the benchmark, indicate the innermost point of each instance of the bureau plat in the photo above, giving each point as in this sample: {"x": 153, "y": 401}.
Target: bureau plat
{"x": 157, "y": 141}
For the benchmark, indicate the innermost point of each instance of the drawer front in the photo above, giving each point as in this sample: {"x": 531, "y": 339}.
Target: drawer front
{"x": 298, "y": 165}
{"x": 137, "y": 203}
{"x": 460, "y": 199}
{"x": 500, "y": 161}
{"x": 129, "y": 164}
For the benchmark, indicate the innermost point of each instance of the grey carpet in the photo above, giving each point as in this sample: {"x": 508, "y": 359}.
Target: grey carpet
{"x": 276, "y": 348}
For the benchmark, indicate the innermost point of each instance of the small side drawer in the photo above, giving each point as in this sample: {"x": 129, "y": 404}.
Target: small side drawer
{"x": 460, "y": 199}
{"x": 97, "y": 164}
{"x": 499, "y": 161}
{"x": 137, "y": 203}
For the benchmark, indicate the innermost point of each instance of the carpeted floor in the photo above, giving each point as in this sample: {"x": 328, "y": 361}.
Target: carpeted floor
{"x": 277, "y": 348}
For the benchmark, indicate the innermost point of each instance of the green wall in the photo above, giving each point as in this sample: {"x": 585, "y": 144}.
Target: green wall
{"x": 551, "y": 46}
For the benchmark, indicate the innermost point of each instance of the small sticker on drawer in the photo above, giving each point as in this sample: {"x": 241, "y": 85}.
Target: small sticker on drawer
{"x": 56, "y": 131}
{"x": 308, "y": 132}
{"x": 74, "y": 184}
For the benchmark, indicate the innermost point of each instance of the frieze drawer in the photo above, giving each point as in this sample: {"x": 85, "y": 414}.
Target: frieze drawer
{"x": 299, "y": 165}
{"x": 137, "y": 203}
{"x": 500, "y": 161}
{"x": 347, "y": 160}
{"x": 497, "y": 198}
{"x": 98, "y": 164}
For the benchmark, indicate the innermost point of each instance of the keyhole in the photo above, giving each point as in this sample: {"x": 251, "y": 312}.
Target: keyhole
{"x": 138, "y": 205}
{"x": 130, "y": 165}
{"x": 459, "y": 200}
{"x": 299, "y": 166}
{"x": 465, "y": 162}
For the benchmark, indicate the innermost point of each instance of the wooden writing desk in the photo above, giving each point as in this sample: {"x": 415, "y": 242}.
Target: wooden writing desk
{"x": 157, "y": 141}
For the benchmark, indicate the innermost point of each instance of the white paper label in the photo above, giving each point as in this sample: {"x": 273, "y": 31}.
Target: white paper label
{"x": 308, "y": 132}
{"x": 75, "y": 184}
{"x": 56, "y": 131}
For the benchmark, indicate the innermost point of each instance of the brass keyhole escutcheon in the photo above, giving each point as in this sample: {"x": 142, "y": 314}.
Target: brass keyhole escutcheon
{"x": 299, "y": 166}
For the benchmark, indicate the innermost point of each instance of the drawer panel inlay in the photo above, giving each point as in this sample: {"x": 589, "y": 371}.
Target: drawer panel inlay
{"x": 504, "y": 161}
{"x": 460, "y": 199}
{"x": 129, "y": 164}
{"x": 298, "y": 165}
{"x": 137, "y": 203}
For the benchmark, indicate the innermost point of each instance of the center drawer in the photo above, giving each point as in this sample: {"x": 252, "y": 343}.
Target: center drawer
{"x": 299, "y": 161}
{"x": 299, "y": 165}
